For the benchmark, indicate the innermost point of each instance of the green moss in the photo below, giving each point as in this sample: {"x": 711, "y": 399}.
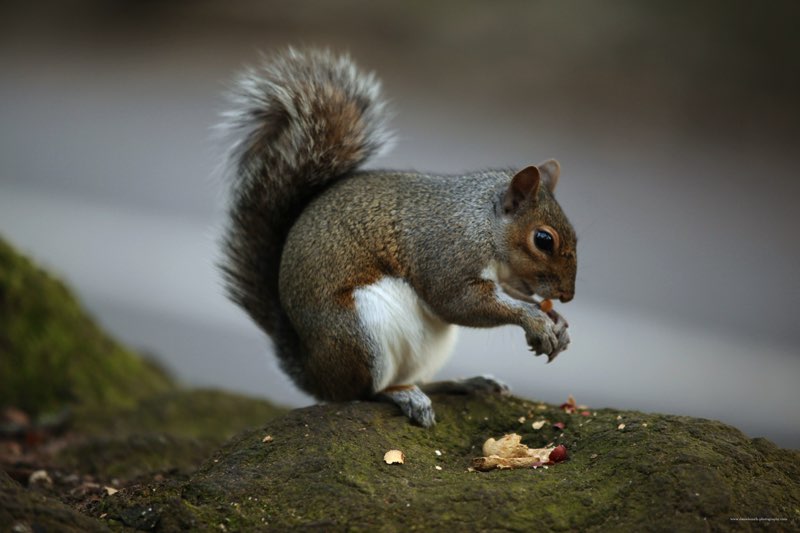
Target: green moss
{"x": 53, "y": 355}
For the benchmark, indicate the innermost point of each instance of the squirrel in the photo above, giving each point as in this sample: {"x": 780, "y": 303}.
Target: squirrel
{"x": 361, "y": 277}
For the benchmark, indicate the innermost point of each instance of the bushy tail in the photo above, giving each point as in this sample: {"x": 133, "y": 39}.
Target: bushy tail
{"x": 300, "y": 121}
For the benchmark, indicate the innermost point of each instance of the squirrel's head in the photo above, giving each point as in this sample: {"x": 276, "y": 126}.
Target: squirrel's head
{"x": 540, "y": 240}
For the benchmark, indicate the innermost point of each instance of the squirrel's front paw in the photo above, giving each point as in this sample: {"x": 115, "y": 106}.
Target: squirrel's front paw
{"x": 546, "y": 336}
{"x": 563, "y": 337}
{"x": 541, "y": 335}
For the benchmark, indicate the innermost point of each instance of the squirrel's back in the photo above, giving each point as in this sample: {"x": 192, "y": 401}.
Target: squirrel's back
{"x": 300, "y": 122}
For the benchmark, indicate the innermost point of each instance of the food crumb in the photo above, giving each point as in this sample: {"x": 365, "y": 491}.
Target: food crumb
{"x": 438, "y": 453}
{"x": 40, "y": 477}
{"x": 621, "y": 427}
{"x": 394, "y": 457}
{"x": 521, "y": 420}
{"x": 267, "y": 439}
{"x": 538, "y": 424}
{"x": 437, "y": 467}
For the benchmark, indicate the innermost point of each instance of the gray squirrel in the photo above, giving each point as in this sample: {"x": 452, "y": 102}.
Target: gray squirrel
{"x": 360, "y": 277}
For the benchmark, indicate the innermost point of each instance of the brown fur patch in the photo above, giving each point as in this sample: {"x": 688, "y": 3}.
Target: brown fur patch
{"x": 368, "y": 276}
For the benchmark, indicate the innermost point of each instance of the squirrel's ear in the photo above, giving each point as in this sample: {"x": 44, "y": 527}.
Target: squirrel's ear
{"x": 550, "y": 170}
{"x": 524, "y": 184}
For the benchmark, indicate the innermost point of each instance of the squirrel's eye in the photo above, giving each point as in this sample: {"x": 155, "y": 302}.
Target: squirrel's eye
{"x": 543, "y": 240}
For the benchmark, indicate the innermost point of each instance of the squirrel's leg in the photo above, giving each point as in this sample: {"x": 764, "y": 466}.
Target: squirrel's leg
{"x": 346, "y": 369}
{"x": 408, "y": 342}
{"x": 414, "y": 403}
{"x": 334, "y": 359}
{"x": 338, "y": 367}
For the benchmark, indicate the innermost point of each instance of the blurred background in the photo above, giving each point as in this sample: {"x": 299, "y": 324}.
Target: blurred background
{"x": 676, "y": 123}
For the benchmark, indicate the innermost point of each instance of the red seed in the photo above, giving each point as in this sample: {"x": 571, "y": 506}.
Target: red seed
{"x": 546, "y": 306}
{"x": 558, "y": 454}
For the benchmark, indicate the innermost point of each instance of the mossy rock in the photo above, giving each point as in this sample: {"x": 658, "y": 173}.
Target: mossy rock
{"x": 196, "y": 413}
{"x": 53, "y": 355}
{"x": 24, "y": 511}
{"x": 173, "y": 432}
{"x": 324, "y": 469}
{"x": 127, "y": 420}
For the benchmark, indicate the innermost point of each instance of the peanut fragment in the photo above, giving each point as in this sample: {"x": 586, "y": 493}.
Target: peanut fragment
{"x": 394, "y": 457}
{"x": 509, "y": 452}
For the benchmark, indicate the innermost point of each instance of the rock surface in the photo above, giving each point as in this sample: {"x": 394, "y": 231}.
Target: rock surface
{"x": 79, "y": 412}
{"x": 23, "y": 511}
{"x": 324, "y": 468}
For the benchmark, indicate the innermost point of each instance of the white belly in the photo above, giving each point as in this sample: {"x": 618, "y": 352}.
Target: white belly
{"x": 412, "y": 343}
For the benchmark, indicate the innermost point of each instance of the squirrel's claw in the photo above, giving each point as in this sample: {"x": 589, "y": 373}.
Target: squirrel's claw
{"x": 553, "y": 355}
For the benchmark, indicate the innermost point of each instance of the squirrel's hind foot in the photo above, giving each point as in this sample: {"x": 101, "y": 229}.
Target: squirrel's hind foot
{"x": 478, "y": 384}
{"x": 414, "y": 403}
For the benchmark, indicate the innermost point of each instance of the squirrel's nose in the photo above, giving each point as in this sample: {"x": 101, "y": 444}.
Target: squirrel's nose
{"x": 564, "y": 297}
